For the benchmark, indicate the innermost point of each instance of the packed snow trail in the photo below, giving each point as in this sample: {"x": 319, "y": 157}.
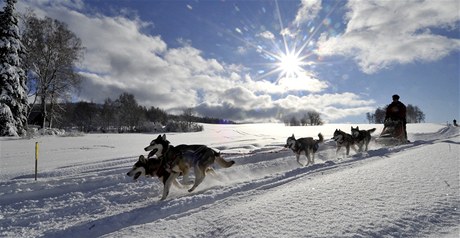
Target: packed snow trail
{"x": 409, "y": 190}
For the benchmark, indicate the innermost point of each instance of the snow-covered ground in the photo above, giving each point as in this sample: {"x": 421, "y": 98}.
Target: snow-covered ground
{"x": 82, "y": 190}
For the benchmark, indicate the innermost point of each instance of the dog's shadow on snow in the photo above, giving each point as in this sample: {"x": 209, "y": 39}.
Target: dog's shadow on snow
{"x": 388, "y": 151}
{"x": 451, "y": 142}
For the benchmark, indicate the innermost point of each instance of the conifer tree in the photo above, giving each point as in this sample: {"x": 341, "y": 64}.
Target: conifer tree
{"x": 13, "y": 88}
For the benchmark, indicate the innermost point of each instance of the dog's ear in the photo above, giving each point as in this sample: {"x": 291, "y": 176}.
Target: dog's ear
{"x": 142, "y": 159}
{"x": 293, "y": 135}
{"x": 159, "y": 137}
{"x": 164, "y": 136}
{"x": 357, "y": 128}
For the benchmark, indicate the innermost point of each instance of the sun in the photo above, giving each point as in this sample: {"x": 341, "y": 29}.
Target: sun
{"x": 290, "y": 64}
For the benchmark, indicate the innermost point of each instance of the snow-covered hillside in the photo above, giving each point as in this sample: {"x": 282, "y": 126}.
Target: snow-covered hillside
{"x": 409, "y": 190}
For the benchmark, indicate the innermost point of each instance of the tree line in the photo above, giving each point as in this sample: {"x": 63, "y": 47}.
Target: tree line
{"x": 413, "y": 115}
{"x": 123, "y": 114}
{"x": 311, "y": 118}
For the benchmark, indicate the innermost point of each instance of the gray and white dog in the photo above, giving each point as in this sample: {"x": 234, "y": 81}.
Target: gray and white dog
{"x": 362, "y": 137}
{"x": 306, "y": 146}
{"x": 344, "y": 139}
{"x": 183, "y": 158}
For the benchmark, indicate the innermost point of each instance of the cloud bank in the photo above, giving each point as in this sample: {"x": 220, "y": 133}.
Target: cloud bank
{"x": 380, "y": 34}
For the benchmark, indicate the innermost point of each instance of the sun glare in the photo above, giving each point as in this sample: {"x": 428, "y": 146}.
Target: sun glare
{"x": 290, "y": 65}
{"x": 292, "y": 57}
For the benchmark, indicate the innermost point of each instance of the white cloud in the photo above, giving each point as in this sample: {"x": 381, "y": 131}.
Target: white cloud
{"x": 308, "y": 10}
{"x": 266, "y": 35}
{"x": 382, "y": 33}
{"x": 241, "y": 50}
{"x": 190, "y": 58}
{"x": 243, "y": 105}
{"x": 243, "y": 98}
{"x": 238, "y": 30}
{"x": 289, "y": 32}
{"x": 330, "y": 106}
{"x": 302, "y": 83}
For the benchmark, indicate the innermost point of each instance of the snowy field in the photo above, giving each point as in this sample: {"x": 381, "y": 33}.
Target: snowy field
{"x": 82, "y": 190}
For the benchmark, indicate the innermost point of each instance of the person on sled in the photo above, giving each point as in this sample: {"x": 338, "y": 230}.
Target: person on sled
{"x": 396, "y": 111}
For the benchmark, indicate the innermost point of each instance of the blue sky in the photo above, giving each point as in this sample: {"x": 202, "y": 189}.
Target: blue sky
{"x": 267, "y": 60}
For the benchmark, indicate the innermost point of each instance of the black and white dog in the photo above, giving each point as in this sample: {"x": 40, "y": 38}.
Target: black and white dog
{"x": 181, "y": 159}
{"x": 307, "y": 146}
{"x": 342, "y": 138}
{"x": 362, "y": 137}
{"x": 151, "y": 168}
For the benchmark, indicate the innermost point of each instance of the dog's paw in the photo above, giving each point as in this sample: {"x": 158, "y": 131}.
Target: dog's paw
{"x": 165, "y": 195}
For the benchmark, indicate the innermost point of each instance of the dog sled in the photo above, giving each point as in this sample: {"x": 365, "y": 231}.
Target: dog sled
{"x": 392, "y": 133}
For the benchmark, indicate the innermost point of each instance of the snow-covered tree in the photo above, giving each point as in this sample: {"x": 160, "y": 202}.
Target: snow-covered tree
{"x": 13, "y": 89}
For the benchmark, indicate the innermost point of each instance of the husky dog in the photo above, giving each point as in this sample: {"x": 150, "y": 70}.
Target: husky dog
{"x": 180, "y": 159}
{"x": 344, "y": 139}
{"x": 362, "y": 137}
{"x": 307, "y": 146}
{"x": 151, "y": 168}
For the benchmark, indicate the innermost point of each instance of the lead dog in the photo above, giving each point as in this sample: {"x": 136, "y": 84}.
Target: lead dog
{"x": 307, "y": 146}
{"x": 344, "y": 139}
{"x": 362, "y": 137}
{"x": 182, "y": 158}
{"x": 151, "y": 168}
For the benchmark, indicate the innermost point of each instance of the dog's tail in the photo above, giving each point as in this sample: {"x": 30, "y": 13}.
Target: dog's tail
{"x": 321, "y": 138}
{"x": 372, "y": 130}
{"x": 223, "y": 163}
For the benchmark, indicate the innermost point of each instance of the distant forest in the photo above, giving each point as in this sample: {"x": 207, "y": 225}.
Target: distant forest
{"x": 413, "y": 115}
{"x": 121, "y": 115}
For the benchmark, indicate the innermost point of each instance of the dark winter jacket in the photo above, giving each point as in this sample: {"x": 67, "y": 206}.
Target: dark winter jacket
{"x": 396, "y": 111}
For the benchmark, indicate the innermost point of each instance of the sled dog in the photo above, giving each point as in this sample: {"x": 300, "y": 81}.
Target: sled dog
{"x": 182, "y": 158}
{"x": 151, "y": 168}
{"x": 307, "y": 146}
{"x": 344, "y": 139}
{"x": 362, "y": 137}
